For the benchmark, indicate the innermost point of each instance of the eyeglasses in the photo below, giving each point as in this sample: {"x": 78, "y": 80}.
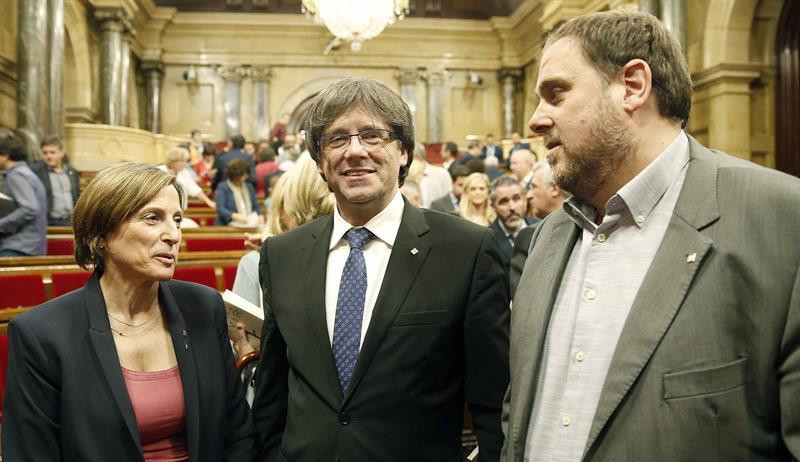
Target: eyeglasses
{"x": 371, "y": 139}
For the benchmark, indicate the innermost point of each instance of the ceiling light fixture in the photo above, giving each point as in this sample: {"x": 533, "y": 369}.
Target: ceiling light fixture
{"x": 355, "y": 20}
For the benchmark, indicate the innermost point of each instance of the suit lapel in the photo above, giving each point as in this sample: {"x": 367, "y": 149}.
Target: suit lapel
{"x": 186, "y": 365}
{"x": 106, "y": 351}
{"x": 531, "y": 309}
{"x": 317, "y": 251}
{"x": 674, "y": 267}
{"x": 401, "y": 271}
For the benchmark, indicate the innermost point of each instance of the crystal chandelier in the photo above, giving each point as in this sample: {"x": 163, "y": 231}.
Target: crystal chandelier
{"x": 355, "y": 20}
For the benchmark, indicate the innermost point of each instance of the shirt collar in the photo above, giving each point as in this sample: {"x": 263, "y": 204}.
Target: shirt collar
{"x": 384, "y": 225}
{"x": 641, "y": 194}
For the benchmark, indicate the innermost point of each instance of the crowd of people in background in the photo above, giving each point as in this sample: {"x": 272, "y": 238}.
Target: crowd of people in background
{"x": 236, "y": 178}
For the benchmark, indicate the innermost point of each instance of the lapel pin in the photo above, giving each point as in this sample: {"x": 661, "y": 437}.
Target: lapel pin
{"x": 691, "y": 258}
{"x": 183, "y": 332}
{"x": 414, "y": 251}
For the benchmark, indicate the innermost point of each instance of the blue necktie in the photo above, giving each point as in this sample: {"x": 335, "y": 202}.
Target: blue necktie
{"x": 350, "y": 306}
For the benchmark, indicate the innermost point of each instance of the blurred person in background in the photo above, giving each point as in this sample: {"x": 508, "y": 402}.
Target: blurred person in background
{"x": 298, "y": 197}
{"x": 266, "y": 165}
{"x": 61, "y": 181}
{"x": 236, "y": 200}
{"x": 474, "y": 204}
{"x": 449, "y": 202}
{"x": 23, "y": 231}
{"x": 133, "y": 366}
{"x": 177, "y": 159}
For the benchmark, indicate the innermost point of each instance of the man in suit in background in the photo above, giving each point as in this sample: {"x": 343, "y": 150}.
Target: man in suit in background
{"x": 381, "y": 318}
{"x": 237, "y": 146}
{"x": 543, "y": 198}
{"x": 449, "y": 202}
{"x": 516, "y": 143}
{"x": 508, "y": 201}
{"x": 61, "y": 181}
{"x": 658, "y": 316}
{"x": 489, "y": 149}
{"x": 521, "y": 164}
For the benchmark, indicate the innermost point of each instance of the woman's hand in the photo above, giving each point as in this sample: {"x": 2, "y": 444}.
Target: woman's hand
{"x": 253, "y": 241}
{"x": 239, "y": 338}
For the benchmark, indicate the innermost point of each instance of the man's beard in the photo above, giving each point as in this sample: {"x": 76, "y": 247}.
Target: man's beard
{"x": 586, "y": 168}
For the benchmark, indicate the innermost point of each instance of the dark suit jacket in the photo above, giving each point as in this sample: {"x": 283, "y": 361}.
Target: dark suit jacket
{"x": 506, "y": 250}
{"x": 498, "y": 152}
{"x": 519, "y": 146}
{"x": 226, "y": 202}
{"x": 707, "y": 366}
{"x": 521, "y": 245}
{"x": 222, "y": 162}
{"x": 66, "y": 398}
{"x": 444, "y": 204}
{"x": 42, "y": 171}
{"x": 438, "y": 333}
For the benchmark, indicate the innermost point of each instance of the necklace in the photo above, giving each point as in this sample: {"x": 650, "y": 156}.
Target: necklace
{"x": 152, "y": 316}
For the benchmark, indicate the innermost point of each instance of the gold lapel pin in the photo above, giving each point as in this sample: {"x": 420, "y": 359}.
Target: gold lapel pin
{"x": 691, "y": 258}
{"x": 414, "y": 251}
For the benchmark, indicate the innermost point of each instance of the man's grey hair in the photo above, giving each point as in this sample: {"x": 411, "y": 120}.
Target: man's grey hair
{"x": 419, "y": 151}
{"x": 548, "y": 171}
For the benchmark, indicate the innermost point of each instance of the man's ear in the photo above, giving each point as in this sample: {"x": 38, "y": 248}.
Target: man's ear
{"x": 637, "y": 79}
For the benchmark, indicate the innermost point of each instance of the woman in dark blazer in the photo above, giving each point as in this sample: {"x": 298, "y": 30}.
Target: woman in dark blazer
{"x": 132, "y": 366}
{"x": 235, "y": 197}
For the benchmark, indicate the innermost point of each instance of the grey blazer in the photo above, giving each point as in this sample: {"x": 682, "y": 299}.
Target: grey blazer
{"x": 708, "y": 364}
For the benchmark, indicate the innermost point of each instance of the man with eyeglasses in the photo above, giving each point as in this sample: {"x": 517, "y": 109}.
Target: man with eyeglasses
{"x": 380, "y": 319}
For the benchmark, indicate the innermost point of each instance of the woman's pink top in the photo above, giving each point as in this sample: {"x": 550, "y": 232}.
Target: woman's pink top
{"x": 157, "y": 399}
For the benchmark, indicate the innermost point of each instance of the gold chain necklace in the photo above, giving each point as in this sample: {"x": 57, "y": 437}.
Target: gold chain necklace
{"x": 134, "y": 326}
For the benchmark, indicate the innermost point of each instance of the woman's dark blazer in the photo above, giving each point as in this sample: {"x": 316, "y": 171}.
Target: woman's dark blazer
{"x": 66, "y": 398}
{"x": 226, "y": 202}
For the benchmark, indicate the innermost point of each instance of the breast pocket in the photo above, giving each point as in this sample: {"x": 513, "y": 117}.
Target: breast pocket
{"x": 705, "y": 381}
{"x": 420, "y": 318}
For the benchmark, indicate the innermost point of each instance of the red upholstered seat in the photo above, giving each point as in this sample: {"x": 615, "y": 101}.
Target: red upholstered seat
{"x": 200, "y": 275}
{"x": 3, "y": 367}
{"x": 60, "y": 247}
{"x": 21, "y": 290}
{"x": 229, "y": 273}
{"x": 67, "y": 282}
{"x": 206, "y": 244}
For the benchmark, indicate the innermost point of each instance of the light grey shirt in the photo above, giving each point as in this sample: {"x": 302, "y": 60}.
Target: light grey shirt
{"x": 603, "y": 275}
{"x": 62, "y": 194}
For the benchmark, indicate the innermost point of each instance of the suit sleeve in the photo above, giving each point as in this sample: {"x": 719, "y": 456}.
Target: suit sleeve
{"x": 486, "y": 347}
{"x": 238, "y": 424}
{"x": 218, "y": 175}
{"x": 271, "y": 393}
{"x": 789, "y": 374}
{"x": 31, "y": 409}
{"x": 224, "y": 213}
{"x": 27, "y": 206}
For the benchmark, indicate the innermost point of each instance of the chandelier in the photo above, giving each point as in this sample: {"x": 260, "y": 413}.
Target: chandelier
{"x": 355, "y": 20}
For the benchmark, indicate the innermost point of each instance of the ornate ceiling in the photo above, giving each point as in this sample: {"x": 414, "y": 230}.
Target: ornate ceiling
{"x": 462, "y": 9}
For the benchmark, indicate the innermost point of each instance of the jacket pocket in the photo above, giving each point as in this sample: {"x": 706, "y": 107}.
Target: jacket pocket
{"x": 416, "y": 318}
{"x": 705, "y": 381}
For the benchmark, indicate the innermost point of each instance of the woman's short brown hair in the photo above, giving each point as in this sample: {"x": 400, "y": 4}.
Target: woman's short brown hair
{"x": 236, "y": 168}
{"x": 114, "y": 195}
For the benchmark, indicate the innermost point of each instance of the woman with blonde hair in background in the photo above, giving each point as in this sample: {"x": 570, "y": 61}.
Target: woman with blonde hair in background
{"x": 474, "y": 204}
{"x": 299, "y": 197}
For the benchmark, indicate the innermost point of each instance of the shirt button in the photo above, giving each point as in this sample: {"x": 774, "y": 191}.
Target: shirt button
{"x": 580, "y": 356}
{"x": 640, "y": 219}
{"x": 565, "y": 421}
{"x": 343, "y": 419}
{"x": 591, "y": 294}
{"x": 601, "y": 237}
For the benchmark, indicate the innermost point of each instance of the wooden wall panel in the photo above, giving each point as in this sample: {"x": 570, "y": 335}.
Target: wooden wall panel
{"x": 787, "y": 136}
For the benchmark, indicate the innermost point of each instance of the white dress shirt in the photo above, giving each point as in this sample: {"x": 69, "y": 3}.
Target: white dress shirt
{"x": 384, "y": 226}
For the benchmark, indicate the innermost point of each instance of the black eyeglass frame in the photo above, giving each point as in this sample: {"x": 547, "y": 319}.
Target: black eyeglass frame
{"x": 387, "y": 136}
